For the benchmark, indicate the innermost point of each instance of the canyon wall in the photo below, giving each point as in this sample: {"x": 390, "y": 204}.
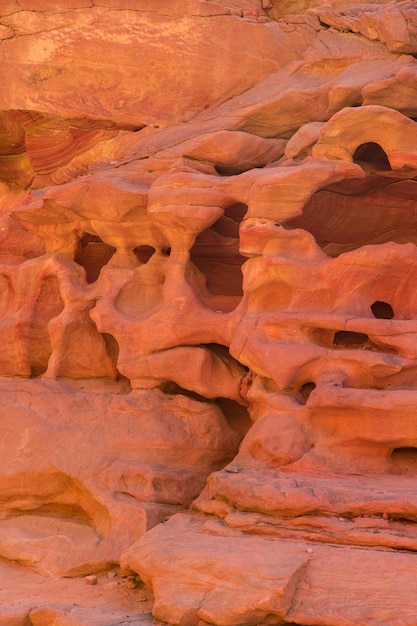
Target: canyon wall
{"x": 208, "y": 322}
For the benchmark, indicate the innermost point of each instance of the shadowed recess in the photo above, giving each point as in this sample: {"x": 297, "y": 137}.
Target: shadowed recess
{"x": 93, "y": 255}
{"x": 351, "y": 214}
{"x": 345, "y": 338}
{"x": 372, "y": 154}
{"x": 144, "y": 253}
{"x": 382, "y": 310}
{"x": 216, "y": 253}
{"x": 405, "y": 459}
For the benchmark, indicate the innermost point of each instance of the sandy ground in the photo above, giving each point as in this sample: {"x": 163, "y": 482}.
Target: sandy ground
{"x": 29, "y": 599}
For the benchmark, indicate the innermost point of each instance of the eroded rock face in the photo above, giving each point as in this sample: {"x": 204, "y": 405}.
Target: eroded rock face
{"x": 208, "y": 313}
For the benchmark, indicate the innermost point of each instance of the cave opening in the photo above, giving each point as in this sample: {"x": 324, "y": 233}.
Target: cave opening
{"x": 93, "y": 254}
{"x": 306, "y": 389}
{"x": 373, "y": 155}
{"x": 144, "y": 253}
{"x": 405, "y": 459}
{"x": 373, "y": 210}
{"x": 382, "y": 310}
{"x": 216, "y": 253}
{"x": 348, "y": 339}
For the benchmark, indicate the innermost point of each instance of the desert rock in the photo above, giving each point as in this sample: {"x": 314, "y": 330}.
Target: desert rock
{"x": 208, "y": 230}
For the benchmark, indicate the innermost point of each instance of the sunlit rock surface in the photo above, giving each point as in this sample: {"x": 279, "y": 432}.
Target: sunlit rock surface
{"x": 208, "y": 322}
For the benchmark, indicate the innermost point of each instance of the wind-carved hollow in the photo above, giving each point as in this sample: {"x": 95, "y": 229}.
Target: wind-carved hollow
{"x": 48, "y": 305}
{"x": 93, "y": 255}
{"x": 144, "y": 253}
{"x": 142, "y": 293}
{"x": 348, "y": 339}
{"x": 405, "y": 459}
{"x": 372, "y": 154}
{"x": 353, "y": 213}
{"x": 216, "y": 253}
{"x": 112, "y": 347}
{"x": 344, "y": 339}
{"x": 235, "y": 413}
{"x": 55, "y": 495}
{"x": 305, "y": 391}
{"x": 382, "y": 310}
{"x": 173, "y": 389}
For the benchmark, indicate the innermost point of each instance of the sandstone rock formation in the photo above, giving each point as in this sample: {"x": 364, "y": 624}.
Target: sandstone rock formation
{"x": 208, "y": 315}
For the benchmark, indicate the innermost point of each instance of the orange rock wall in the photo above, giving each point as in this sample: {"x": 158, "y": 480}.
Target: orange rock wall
{"x": 208, "y": 228}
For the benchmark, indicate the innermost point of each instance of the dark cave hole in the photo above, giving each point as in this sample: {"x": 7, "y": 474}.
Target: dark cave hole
{"x": 166, "y": 251}
{"x": 216, "y": 253}
{"x": 372, "y": 154}
{"x": 223, "y": 352}
{"x": 237, "y": 212}
{"x": 382, "y": 310}
{"x": 144, "y": 253}
{"x": 405, "y": 459}
{"x": 306, "y": 390}
{"x": 227, "y": 171}
{"x": 93, "y": 255}
{"x": 112, "y": 346}
{"x": 347, "y": 339}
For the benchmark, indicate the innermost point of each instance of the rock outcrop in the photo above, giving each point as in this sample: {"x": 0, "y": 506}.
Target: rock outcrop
{"x": 208, "y": 229}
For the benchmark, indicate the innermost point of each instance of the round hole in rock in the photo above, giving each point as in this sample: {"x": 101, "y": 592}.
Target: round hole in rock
{"x": 93, "y": 255}
{"x": 144, "y": 253}
{"x": 372, "y": 154}
{"x": 382, "y": 310}
{"x": 405, "y": 459}
{"x": 346, "y": 338}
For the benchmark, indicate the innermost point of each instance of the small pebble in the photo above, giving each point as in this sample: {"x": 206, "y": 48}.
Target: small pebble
{"x": 130, "y": 582}
{"x": 385, "y": 516}
{"x": 309, "y": 550}
{"x": 111, "y": 574}
{"x": 232, "y": 469}
{"x": 91, "y": 580}
{"x": 375, "y": 530}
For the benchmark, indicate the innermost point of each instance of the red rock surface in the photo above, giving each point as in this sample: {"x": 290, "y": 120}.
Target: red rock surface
{"x": 208, "y": 234}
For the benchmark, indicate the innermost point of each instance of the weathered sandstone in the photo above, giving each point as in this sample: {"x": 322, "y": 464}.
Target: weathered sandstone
{"x": 208, "y": 229}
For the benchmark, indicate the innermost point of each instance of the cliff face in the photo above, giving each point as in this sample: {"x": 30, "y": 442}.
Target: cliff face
{"x": 208, "y": 318}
